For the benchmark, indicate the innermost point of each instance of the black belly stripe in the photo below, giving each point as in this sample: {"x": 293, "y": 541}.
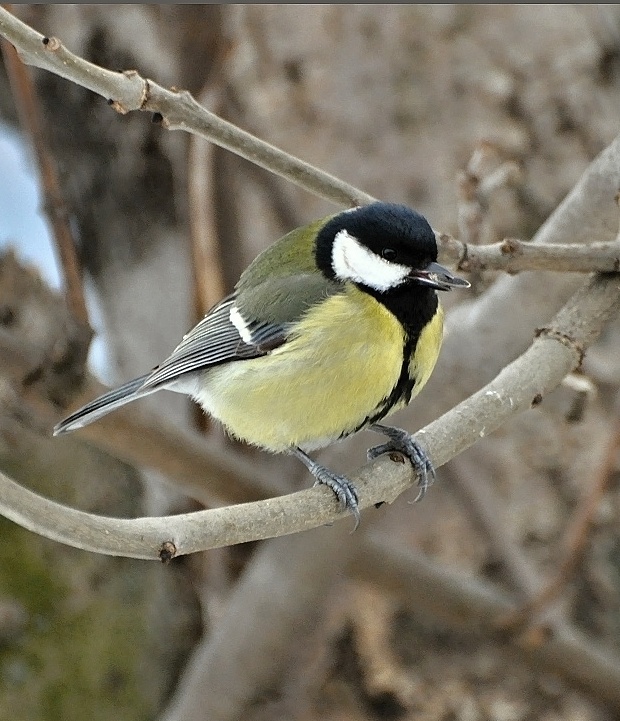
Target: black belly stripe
{"x": 401, "y": 393}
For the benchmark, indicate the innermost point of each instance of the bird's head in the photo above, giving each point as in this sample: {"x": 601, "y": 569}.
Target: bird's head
{"x": 382, "y": 246}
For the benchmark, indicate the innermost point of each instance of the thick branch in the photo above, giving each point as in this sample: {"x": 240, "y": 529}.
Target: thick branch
{"x": 273, "y": 606}
{"x": 557, "y": 351}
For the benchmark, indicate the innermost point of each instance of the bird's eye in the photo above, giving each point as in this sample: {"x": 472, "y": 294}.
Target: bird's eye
{"x": 388, "y": 254}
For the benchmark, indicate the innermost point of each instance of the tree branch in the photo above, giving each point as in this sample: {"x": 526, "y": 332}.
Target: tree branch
{"x": 512, "y": 256}
{"x": 206, "y": 258}
{"x": 128, "y": 91}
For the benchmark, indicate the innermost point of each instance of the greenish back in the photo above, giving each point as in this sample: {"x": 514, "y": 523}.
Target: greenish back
{"x": 283, "y": 282}
{"x": 288, "y": 256}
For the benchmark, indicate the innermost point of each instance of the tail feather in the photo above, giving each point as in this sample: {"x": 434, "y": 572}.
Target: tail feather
{"x": 104, "y": 404}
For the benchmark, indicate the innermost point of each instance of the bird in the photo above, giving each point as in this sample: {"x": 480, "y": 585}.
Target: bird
{"x": 330, "y": 329}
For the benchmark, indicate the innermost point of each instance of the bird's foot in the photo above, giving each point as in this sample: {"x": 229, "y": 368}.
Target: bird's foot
{"x": 403, "y": 442}
{"x": 344, "y": 490}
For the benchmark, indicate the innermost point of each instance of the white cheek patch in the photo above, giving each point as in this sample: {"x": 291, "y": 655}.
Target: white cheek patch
{"x": 353, "y": 261}
{"x": 237, "y": 320}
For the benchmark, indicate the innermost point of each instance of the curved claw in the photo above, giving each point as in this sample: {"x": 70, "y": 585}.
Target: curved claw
{"x": 403, "y": 442}
{"x": 344, "y": 490}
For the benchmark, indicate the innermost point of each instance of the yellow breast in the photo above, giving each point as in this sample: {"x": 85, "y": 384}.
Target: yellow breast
{"x": 343, "y": 359}
{"x": 422, "y": 362}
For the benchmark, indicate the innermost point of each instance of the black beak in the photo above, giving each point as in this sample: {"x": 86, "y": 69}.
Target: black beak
{"x": 436, "y": 276}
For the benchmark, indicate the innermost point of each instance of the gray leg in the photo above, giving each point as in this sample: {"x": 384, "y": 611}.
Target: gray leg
{"x": 403, "y": 442}
{"x": 345, "y": 491}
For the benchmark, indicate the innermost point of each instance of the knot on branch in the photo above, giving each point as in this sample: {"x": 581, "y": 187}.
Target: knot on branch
{"x": 52, "y": 44}
{"x": 511, "y": 246}
{"x": 459, "y": 249}
{"x": 167, "y": 551}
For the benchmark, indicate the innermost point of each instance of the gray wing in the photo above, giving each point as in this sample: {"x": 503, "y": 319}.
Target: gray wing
{"x": 262, "y": 319}
{"x": 216, "y": 339}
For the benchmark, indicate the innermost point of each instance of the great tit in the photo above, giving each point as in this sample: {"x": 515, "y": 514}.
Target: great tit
{"x": 329, "y": 330}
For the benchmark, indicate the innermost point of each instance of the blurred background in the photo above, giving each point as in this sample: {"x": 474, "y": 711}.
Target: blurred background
{"x": 483, "y": 118}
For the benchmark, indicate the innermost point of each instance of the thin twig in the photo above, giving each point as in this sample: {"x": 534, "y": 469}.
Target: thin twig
{"x": 206, "y": 261}
{"x": 127, "y": 91}
{"x": 512, "y": 256}
{"x": 55, "y": 207}
{"x": 484, "y": 174}
{"x": 470, "y": 213}
{"x": 209, "y": 285}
